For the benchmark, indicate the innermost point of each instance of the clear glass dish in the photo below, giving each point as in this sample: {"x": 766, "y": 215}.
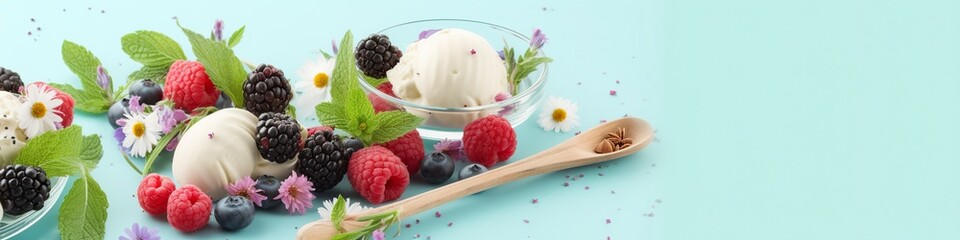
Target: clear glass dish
{"x": 11, "y": 225}
{"x": 448, "y": 123}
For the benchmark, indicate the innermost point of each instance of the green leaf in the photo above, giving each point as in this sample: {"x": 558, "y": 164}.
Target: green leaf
{"x": 86, "y": 101}
{"x": 152, "y": 49}
{"x": 223, "y": 67}
{"x": 156, "y": 73}
{"x": 292, "y": 111}
{"x": 83, "y": 214}
{"x": 330, "y": 114}
{"x": 326, "y": 55}
{"x": 373, "y": 81}
{"x": 393, "y": 124}
{"x": 344, "y": 72}
{"x": 82, "y": 63}
{"x": 57, "y": 152}
{"x": 338, "y": 212}
{"x": 90, "y": 151}
{"x": 236, "y": 37}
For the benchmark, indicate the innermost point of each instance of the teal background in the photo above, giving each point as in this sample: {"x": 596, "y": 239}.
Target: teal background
{"x": 776, "y": 119}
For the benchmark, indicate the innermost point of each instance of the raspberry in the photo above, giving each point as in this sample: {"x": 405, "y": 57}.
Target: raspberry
{"x": 188, "y": 209}
{"x": 380, "y": 104}
{"x": 387, "y": 88}
{"x": 153, "y": 193}
{"x": 489, "y": 140}
{"x": 189, "y": 87}
{"x": 409, "y": 148}
{"x": 312, "y": 130}
{"x": 377, "y": 174}
{"x": 66, "y": 108}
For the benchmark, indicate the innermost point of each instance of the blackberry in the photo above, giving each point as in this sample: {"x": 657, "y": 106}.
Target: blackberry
{"x": 278, "y": 137}
{"x": 23, "y": 188}
{"x": 10, "y": 81}
{"x": 266, "y": 90}
{"x": 375, "y": 55}
{"x": 324, "y": 160}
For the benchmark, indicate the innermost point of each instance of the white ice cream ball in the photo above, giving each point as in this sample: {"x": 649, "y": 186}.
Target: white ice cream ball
{"x": 12, "y": 138}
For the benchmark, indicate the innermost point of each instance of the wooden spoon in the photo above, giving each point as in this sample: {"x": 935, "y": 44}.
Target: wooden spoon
{"x": 575, "y": 152}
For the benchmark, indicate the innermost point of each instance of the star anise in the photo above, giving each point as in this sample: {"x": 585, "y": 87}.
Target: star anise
{"x": 614, "y": 142}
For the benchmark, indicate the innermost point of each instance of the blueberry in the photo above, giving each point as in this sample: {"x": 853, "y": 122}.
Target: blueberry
{"x": 472, "y": 170}
{"x": 271, "y": 188}
{"x": 234, "y": 212}
{"x": 437, "y": 168}
{"x": 353, "y": 142}
{"x": 150, "y": 92}
{"x": 224, "y": 101}
{"x": 116, "y": 112}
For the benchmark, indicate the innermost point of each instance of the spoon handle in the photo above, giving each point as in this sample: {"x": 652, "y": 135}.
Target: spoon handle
{"x": 575, "y": 152}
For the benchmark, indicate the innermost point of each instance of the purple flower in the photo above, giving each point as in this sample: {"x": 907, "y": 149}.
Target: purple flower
{"x": 538, "y": 40}
{"x": 453, "y": 148}
{"x": 170, "y": 117}
{"x": 136, "y": 232}
{"x": 503, "y": 96}
{"x": 119, "y": 136}
{"x": 503, "y": 56}
{"x": 172, "y": 145}
{"x": 135, "y": 106}
{"x": 378, "y": 235}
{"x": 246, "y": 187}
{"x": 426, "y": 33}
{"x": 103, "y": 80}
{"x": 333, "y": 43}
{"x": 295, "y": 193}
{"x": 218, "y": 30}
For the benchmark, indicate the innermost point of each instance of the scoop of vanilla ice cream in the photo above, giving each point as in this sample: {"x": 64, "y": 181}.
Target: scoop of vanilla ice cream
{"x": 451, "y": 68}
{"x": 12, "y": 138}
{"x": 230, "y": 154}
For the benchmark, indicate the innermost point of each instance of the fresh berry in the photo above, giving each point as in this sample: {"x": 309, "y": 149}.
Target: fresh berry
{"x": 437, "y": 168}
{"x": 188, "y": 209}
{"x": 23, "y": 188}
{"x": 489, "y": 140}
{"x": 353, "y": 143}
{"x": 150, "y": 92}
{"x": 312, "y": 130}
{"x": 153, "y": 193}
{"x": 65, "y": 108}
{"x": 234, "y": 212}
{"x": 375, "y": 55}
{"x": 116, "y": 111}
{"x": 409, "y": 148}
{"x": 278, "y": 137}
{"x": 472, "y": 170}
{"x": 189, "y": 87}
{"x": 266, "y": 90}
{"x": 323, "y": 160}
{"x": 387, "y": 87}
{"x": 271, "y": 189}
{"x": 380, "y": 104}
{"x": 224, "y": 101}
{"x": 10, "y": 81}
{"x": 377, "y": 174}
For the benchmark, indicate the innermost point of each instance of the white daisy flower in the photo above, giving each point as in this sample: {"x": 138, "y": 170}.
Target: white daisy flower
{"x": 142, "y": 132}
{"x": 327, "y": 210}
{"x": 37, "y": 114}
{"x": 313, "y": 86}
{"x": 558, "y": 115}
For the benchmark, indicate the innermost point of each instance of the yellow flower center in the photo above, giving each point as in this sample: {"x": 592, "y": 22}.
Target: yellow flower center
{"x": 139, "y": 129}
{"x": 321, "y": 80}
{"x": 38, "y": 110}
{"x": 559, "y": 115}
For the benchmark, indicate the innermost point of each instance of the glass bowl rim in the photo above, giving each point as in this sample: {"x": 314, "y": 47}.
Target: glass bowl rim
{"x": 541, "y": 79}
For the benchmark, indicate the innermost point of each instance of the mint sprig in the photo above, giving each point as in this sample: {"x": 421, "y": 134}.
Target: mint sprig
{"x": 90, "y": 97}
{"x": 519, "y": 67}
{"x": 351, "y": 111}
{"x": 224, "y": 68}
{"x": 67, "y": 152}
{"x": 236, "y": 37}
{"x": 376, "y": 221}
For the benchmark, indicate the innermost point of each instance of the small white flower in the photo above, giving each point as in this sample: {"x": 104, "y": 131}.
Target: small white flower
{"x": 327, "y": 210}
{"x": 37, "y": 114}
{"x": 313, "y": 86}
{"x": 558, "y": 115}
{"x": 142, "y": 132}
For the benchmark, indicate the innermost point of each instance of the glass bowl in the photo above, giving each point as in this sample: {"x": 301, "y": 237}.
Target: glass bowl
{"x": 448, "y": 123}
{"x": 12, "y": 225}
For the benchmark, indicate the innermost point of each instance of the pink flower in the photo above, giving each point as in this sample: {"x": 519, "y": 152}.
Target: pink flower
{"x": 295, "y": 193}
{"x": 246, "y": 187}
{"x": 453, "y": 148}
{"x": 378, "y": 235}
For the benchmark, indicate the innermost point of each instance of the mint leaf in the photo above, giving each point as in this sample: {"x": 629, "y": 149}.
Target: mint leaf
{"x": 152, "y": 48}
{"x": 236, "y": 37}
{"x": 223, "y": 67}
{"x": 82, "y": 63}
{"x": 83, "y": 214}
{"x": 373, "y": 81}
{"x": 57, "y": 152}
{"x": 330, "y": 114}
{"x": 326, "y": 55}
{"x": 86, "y": 101}
{"x": 393, "y": 124}
{"x": 156, "y": 73}
{"x": 338, "y": 212}
{"x": 292, "y": 111}
{"x": 344, "y": 72}
{"x": 90, "y": 151}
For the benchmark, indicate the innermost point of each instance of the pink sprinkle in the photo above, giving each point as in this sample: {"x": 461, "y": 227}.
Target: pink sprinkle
{"x": 618, "y": 81}
{"x": 566, "y": 184}
{"x": 581, "y": 175}
{"x": 29, "y": 33}
{"x": 613, "y": 92}
{"x": 608, "y": 237}
{"x": 418, "y": 221}
{"x": 450, "y": 224}
{"x": 408, "y": 225}
{"x": 600, "y": 174}
{"x": 603, "y": 120}
{"x": 608, "y": 221}
{"x": 568, "y": 176}
{"x": 210, "y": 135}
{"x": 417, "y": 236}
{"x": 526, "y": 221}
{"x": 578, "y": 133}
{"x": 612, "y": 192}
{"x": 437, "y": 214}
{"x": 578, "y": 83}
{"x": 586, "y": 188}
{"x": 534, "y": 201}
{"x": 473, "y": 52}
